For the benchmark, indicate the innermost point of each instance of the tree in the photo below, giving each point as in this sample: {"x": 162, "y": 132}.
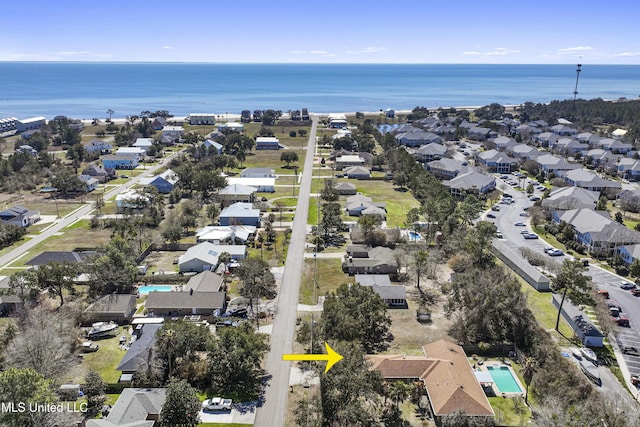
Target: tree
{"x": 181, "y": 407}
{"x": 256, "y": 280}
{"x": 573, "y": 285}
{"x": 114, "y": 270}
{"x": 634, "y": 268}
{"x": 94, "y": 388}
{"x": 110, "y": 113}
{"x": 329, "y": 192}
{"x": 235, "y": 358}
{"x": 289, "y": 157}
{"x": 23, "y": 386}
{"x": 357, "y": 314}
{"x": 24, "y": 283}
{"x": 44, "y": 343}
{"x": 528, "y": 370}
{"x": 618, "y": 217}
{"x": 177, "y": 345}
{"x": 212, "y": 213}
{"x": 56, "y": 278}
{"x": 420, "y": 263}
{"x": 331, "y": 219}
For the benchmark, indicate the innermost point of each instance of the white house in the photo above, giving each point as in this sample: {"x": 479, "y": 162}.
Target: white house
{"x": 138, "y": 152}
{"x": 240, "y": 213}
{"x": 131, "y": 199}
{"x": 204, "y": 256}
{"x": 144, "y": 143}
{"x": 262, "y": 185}
{"x": 258, "y": 173}
{"x": 267, "y": 143}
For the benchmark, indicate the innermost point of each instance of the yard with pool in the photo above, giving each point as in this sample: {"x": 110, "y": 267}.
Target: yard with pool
{"x": 504, "y": 379}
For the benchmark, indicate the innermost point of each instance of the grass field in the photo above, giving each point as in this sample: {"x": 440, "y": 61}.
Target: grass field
{"x": 506, "y": 414}
{"x": 105, "y": 360}
{"x": 330, "y": 277}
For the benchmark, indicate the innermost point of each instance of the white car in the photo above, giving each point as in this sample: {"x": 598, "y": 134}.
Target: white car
{"x": 217, "y": 404}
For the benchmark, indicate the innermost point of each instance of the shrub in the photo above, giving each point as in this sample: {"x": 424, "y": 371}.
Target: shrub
{"x": 292, "y": 134}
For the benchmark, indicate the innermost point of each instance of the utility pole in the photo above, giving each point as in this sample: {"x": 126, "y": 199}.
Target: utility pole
{"x": 575, "y": 90}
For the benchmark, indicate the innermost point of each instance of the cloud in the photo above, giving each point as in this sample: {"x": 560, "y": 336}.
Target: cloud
{"x": 370, "y": 49}
{"x": 627, "y": 54}
{"x": 499, "y": 51}
{"x": 84, "y": 54}
{"x": 318, "y": 52}
{"x": 167, "y": 47}
{"x": 574, "y": 50}
{"x": 298, "y": 52}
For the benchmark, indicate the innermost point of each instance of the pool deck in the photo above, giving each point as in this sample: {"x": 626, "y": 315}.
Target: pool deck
{"x": 494, "y": 386}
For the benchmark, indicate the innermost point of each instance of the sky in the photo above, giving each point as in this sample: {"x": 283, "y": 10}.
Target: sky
{"x": 327, "y": 31}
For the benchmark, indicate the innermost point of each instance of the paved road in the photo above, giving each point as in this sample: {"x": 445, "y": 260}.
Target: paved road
{"x": 61, "y": 223}
{"x": 272, "y": 412}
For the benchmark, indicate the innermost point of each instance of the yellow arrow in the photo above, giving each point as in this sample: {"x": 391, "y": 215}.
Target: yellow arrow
{"x": 331, "y": 357}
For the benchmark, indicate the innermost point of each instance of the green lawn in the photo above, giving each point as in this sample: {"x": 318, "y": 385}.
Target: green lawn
{"x": 506, "y": 415}
{"x": 106, "y": 359}
{"x": 313, "y": 211}
{"x": 545, "y": 313}
{"x": 330, "y": 276}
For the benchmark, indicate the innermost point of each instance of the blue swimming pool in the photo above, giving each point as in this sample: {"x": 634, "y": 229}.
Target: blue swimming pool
{"x": 414, "y": 236}
{"x": 504, "y": 379}
{"x": 144, "y": 290}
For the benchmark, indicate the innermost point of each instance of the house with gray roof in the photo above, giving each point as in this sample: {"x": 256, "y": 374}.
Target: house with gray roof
{"x": 553, "y": 164}
{"x": 600, "y": 157}
{"x": 99, "y": 173}
{"x": 118, "y": 308}
{"x": 137, "y": 356}
{"x": 589, "y": 180}
{"x": 240, "y": 213}
{"x": 178, "y": 304}
{"x": 164, "y": 182}
{"x": 72, "y": 257}
{"x": 429, "y": 152}
{"x": 204, "y": 256}
{"x": 496, "y": 161}
{"x": 478, "y": 133}
{"x": 568, "y": 146}
{"x": 258, "y": 173}
{"x": 628, "y": 169}
{"x": 563, "y": 130}
{"x": 586, "y": 331}
{"x": 212, "y": 146}
{"x": 394, "y": 296}
{"x": 545, "y": 139}
{"x": 524, "y": 152}
{"x": 614, "y": 145}
{"x": 20, "y": 216}
{"x": 207, "y": 281}
{"x": 597, "y": 231}
{"x": 348, "y": 160}
{"x": 358, "y": 203}
{"x": 446, "y": 168}
{"x": 380, "y": 261}
{"x": 357, "y": 172}
{"x": 567, "y": 198}
{"x": 345, "y": 188}
{"x": 418, "y": 138}
{"x": 98, "y": 146}
{"x": 237, "y": 193}
{"x": 628, "y": 253}
{"x": 135, "y": 407}
{"x": 504, "y": 143}
{"x": 470, "y": 182}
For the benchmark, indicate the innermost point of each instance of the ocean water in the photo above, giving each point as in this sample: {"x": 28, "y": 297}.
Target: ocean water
{"x": 87, "y": 90}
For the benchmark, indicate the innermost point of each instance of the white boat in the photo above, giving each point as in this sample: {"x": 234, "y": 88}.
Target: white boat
{"x": 591, "y": 371}
{"x": 102, "y": 329}
{"x": 589, "y": 354}
{"x": 576, "y": 353}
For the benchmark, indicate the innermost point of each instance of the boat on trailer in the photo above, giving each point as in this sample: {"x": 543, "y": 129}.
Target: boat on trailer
{"x": 102, "y": 329}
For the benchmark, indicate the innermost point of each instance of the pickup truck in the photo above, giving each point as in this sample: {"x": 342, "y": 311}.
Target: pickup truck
{"x": 217, "y": 404}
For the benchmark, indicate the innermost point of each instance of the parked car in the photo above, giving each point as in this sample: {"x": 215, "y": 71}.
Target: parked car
{"x": 635, "y": 292}
{"x": 621, "y": 321}
{"x": 490, "y": 215}
{"x": 534, "y": 198}
{"x": 519, "y": 224}
{"x": 89, "y": 347}
{"x": 555, "y": 252}
{"x": 603, "y": 293}
{"x": 630, "y": 350}
{"x": 498, "y": 235}
{"x": 627, "y": 285}
{"x": 495, "y": 208}
{"x": 217, "y": 404}
{"x": 524, "y": 214}
{"x": 530, "y": 236}
{"x": 507, "y": 196}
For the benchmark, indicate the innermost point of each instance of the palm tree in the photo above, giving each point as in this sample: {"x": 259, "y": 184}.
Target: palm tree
{"x": 110, "y": 113}
{"x": 399, "y": 391}
{"x": 529, "y": 368}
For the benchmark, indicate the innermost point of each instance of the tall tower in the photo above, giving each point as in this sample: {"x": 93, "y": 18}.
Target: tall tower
{"x": 575, "y": 91}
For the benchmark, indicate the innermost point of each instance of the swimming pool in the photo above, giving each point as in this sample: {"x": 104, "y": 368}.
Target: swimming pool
{"x": 414, "y": 236}
{"x": 504, "y": 379}
{"x": 143, "y": 290}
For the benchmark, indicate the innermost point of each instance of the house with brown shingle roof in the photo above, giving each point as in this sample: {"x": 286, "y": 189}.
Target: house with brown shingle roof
{"x": 447, "y": 375}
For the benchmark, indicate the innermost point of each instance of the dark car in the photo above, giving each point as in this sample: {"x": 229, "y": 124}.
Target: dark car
{"x": 635, "y": 292}
{"x": 490, "y": 215}
{"x": 630, "y": 350}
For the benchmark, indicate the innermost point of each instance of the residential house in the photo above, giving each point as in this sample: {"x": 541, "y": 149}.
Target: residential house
{"x": 418, "y": 138}
{"x": 267, "y": 143}
{"x": 345, "y": 188}
{"x": 20, "y": 216}
{"x": 390, "y": 113}
{"x": 218, "y": 234}
{"x": 98, "y": 172}
{"x": 588, "y": 138}
{"x": 394, "y": 296}
{"x": 262, "y": 185}
{"x": 178, "y": 304}
{"x": 90, "y": 183}
{"x": 348, "y": 160}
{"x": 618, "y": 134}
{"x": 240, "y": 213}
{"x": 210, "y": 145}
{"x": 27, "y": 149}
{"x": 118, "y": 308}
{"x": 137, "y": 357}
{"x": 504, "y": 143}
{"x": 446, "y": 168}
{"x": 568, "y": 146}
{"x": 144, "y": 143}
{"x": 358, "y": 203}
{"x": 429, "y": 152}
{"x": 478, "y": 133}
{"x": 258, "y": 173}
{"x": 380, "y": 261}
{"x": 337, "y": 123}
{"x": 32, "y": 123}
{"x": 589, "y": 180}
{"x": 208, "y": 119}
{"x": 10, "y": 304}
{"x": 8, "y": 124}
{"x": 552, "y": 164}
{"x": 165, "y": 182}
{"x": 139, "y": 152}
{"x": 46, "y": 257}
{"x": 496, "y": 161}
{"x": 131, "y": 199}
{"x": 120, "y": 162}
{"x": 204, "y": 256}
{"x": 597, "y": 231}
{"x": 524, "y": 152}
{"x": 629, "y": 169}
{"x": 563, "y": 130}
{"x": 207, "y": 281}
{"x": 358, "y": 251}
{"x": 171, "y": 134}
{"x": 628, "y": 253}
{"x": 470, "y": 182}
{"x": 231, "y": 126}
{"x": 444, "y": 369}
{"x": 599, "y": 157}
{"x": 567, "y": 198}
{"x": 158, "y": 123}
{"x": 135, "y": 407}
{"x": 236, "y": 193}
{"x": 357, "y": 172}
{"x": 546, "y": 139}
{"x": 614, "y": 145}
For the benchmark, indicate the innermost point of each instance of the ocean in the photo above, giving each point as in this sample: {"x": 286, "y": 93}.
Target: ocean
{"x": 88, "y": 90}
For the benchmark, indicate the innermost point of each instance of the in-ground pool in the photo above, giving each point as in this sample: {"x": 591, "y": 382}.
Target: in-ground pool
{"x": 143, "y": 290}
{"x": 504, "y": 379}
{"x": 414, "y": 236}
